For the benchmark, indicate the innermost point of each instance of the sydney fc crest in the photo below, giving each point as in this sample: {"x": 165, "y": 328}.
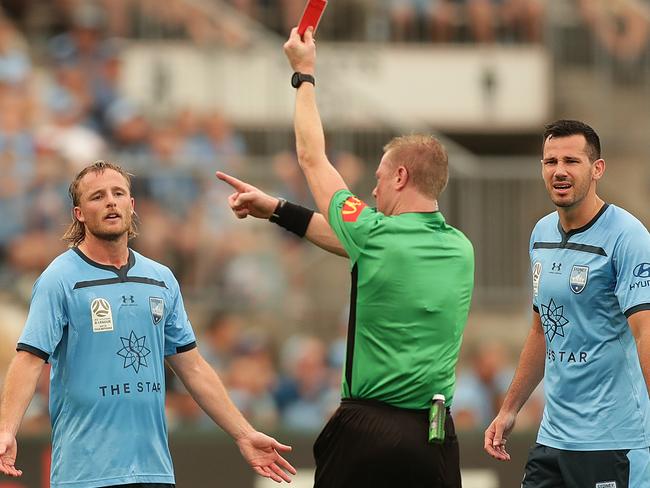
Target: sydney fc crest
{"x": 578, "y": 278}
{"x": 157, "y": 306}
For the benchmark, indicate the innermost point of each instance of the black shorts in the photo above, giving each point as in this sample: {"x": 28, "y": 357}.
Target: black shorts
{"x": 374, "y": 445}
{"x": 557, "y": 468}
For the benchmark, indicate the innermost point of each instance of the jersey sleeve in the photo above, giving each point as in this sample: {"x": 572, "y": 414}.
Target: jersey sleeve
{"x": 179, "y": 336}
{"x": 632, "y": 266}
{"x": 352, "y": 221}
{"x": 47, "y": 317}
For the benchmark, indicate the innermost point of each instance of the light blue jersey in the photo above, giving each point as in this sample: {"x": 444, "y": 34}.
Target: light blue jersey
{"x": 106, "y": 332}
{"x": 585, "y": 284}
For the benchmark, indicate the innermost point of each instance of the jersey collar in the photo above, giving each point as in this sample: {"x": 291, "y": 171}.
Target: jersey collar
{"x": 587, "y": 226}
{"x": 121, "y": 272}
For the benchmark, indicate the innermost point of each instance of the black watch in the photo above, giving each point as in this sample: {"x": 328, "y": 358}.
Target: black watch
{"x": 298, "y": 79}
{"x": 276, "y": 213}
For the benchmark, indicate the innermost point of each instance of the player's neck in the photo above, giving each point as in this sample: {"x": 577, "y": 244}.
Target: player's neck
{"x": 415, "y": 202}
{"x": 580, "y": 215}
{"x": 111, "y": 253}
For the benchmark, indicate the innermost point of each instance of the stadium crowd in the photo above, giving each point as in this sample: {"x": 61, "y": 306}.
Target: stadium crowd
{"x": 249, "y": 291}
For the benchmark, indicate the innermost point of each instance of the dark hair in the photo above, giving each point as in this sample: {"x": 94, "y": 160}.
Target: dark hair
{"x": 76, "y": 231}
{"x": 566, "y": 128}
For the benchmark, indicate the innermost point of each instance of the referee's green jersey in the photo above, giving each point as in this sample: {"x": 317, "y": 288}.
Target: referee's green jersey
{"x": 412, "y": 280}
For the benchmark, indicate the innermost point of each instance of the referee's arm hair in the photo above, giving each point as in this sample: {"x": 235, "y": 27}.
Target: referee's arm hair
{"x": 260, "y": 451}
{"x": 19, "y": 388}
{"x": 640, "y": 325}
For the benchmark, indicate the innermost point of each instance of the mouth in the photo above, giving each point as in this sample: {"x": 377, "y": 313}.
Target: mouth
{"x": 113, "y": 216}
{"x": 562, "y": 187}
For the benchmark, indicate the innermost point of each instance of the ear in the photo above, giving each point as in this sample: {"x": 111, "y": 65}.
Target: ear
{"x": 598, "y": 169}
{"x": 78, "y": 215}
{"x": 401, "y": 178}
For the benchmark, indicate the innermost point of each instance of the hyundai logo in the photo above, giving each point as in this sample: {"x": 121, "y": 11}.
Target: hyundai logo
{"x": 642, "y": 270}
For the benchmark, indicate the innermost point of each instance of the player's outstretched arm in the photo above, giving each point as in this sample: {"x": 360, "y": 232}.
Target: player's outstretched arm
{"x": 260, "y": 451}
{"x": 19, "y": 387}
{"x": 529, "y": 373}
{"x": 640, "y": 325}
{"x": 249, "y": 200}
{"x": 322, "y": 177}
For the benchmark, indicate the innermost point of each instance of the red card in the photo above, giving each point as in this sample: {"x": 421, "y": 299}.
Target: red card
{"x": 311, "y": 15}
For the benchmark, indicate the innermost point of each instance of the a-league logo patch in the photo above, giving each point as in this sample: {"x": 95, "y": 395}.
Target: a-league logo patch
{"x": 101, "y": 315}
{"x": 578, "y": 278}
{"x": 537, "y": 273}
{"x": 351, "y": 209}
{"x": 157, "y": 306}
{"x": 606, "y": 484}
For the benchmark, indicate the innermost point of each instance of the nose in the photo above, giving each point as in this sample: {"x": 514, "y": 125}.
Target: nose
{"x": 560, "y": 170}
{"x": 374, "y": 192}
{"x": 110, "y": 199}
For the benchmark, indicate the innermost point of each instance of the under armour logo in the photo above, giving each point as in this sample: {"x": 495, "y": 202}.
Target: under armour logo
{"x": 128, "y": 299}
{"x": 557, "y": 267}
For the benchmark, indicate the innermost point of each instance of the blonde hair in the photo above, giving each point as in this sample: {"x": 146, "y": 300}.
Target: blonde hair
{"x": 76, "y": 231}
{"x": 425, "y": 159}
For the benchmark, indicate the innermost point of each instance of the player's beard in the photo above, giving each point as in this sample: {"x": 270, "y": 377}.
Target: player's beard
{"x": 110, "y": 233}
{"x": 579, "y": 191}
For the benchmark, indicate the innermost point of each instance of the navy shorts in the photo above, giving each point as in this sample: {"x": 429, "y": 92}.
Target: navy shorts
{"x": 557, "y": 468}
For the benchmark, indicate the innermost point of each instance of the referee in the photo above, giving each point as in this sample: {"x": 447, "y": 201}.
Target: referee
{"x": 412, "y": 279}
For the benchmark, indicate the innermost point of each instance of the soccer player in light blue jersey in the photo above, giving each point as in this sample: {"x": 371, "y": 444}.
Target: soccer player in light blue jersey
{"x": 590, "y": 337}
{"x": 107, "y": 318}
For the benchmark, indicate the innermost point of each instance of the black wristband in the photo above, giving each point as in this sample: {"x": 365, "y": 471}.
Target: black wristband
{"x": 292, "y": 217}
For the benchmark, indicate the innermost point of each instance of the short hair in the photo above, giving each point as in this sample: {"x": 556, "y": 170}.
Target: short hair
{"x": 76, "y": 231}
{"x": 566, "y": 128}
{"x": 426, "y": 160}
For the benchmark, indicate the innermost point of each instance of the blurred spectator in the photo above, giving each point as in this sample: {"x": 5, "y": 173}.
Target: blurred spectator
{"x": 170, "y": 184}
{"x": 129, "y": 132}
{"x": 65, "y": 133}
{"x": 15, "y": 64}
{"x": 486, "y": 20}
{"x": 290, "y": 181}
{"x": 481, "y": 388}
{"x": 221, "y": 339}
{"x": 413, "y": 20}
{"x": 621, "y": 27}
{"x": 353, "y": 171}
{"x": 304, "y": 395}
{"x": 216, "y": 147}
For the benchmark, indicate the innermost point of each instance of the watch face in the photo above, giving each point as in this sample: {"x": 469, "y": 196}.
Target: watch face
{"x": 295, "y": 80}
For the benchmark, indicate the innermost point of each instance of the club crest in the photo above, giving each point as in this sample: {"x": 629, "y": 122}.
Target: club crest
{"x": 578, "y": 278}
{"x": 157, "y": 306}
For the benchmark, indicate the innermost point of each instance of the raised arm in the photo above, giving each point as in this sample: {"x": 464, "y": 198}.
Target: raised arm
{"x": 205, "y": 386}
{"x": 640, "y": 325}
{"x": 322, "y": 177}
{"x": 19, "y": 387}
{"x": 251, "y": 201}
{"x": 529, "y": 373}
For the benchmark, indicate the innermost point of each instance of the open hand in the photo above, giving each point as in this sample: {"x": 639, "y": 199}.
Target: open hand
{"x": 261, "y": 452}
